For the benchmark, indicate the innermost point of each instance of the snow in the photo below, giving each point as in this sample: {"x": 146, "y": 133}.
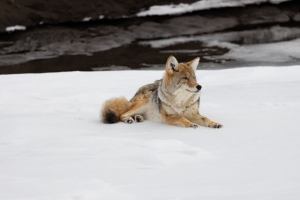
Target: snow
{"x": 277, "y": 52}
{"x": 15, "y": 28}
{"x": 53, "y": 145}
{"x": 282, "y": 50}
{"x": 274, "y": 35}
{"x": 199, "y": 5}
{"x": 86, "y": 19}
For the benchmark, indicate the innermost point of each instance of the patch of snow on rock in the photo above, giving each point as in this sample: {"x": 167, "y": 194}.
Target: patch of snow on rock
{"x": 199, "y": 5}
{"x": 86, "y": 19}
{"x": 15, "y": 28}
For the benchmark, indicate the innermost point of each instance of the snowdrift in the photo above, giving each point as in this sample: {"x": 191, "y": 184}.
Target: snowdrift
{"x": 53, "y": 145}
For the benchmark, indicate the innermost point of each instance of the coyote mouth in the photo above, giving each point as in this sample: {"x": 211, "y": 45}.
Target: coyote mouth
{"x": 193, "y": 91}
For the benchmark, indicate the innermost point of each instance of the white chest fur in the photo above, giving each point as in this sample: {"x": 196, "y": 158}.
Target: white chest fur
{"x": 179, "y": 101}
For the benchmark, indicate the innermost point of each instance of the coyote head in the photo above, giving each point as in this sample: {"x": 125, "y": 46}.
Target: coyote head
{"x": 181, "y": 76}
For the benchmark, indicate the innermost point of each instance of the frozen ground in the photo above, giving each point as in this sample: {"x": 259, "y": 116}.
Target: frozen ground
{"x": 53, "y": 146}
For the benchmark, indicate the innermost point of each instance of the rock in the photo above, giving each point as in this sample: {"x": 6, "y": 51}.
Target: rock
{"x": 34, "y": 12}
{"x": 297, "y": 17}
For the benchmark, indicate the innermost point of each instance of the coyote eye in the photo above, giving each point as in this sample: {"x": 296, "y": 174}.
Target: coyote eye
{"x": 185, "y": 78}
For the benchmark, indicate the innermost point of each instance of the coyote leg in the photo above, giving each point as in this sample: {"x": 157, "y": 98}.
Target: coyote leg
{"x": 203, "y": 121}
{"x": 178, "y": 121}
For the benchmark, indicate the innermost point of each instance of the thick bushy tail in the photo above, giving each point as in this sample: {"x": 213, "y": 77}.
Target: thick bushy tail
{"x": 112, "y": 109}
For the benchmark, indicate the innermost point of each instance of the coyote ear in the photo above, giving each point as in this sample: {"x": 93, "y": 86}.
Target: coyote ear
{"x": 172, "y": 65}
{"x": 194, "y": 63}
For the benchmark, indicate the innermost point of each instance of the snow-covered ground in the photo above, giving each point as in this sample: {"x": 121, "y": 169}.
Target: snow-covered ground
{"x": 53, "y": 145}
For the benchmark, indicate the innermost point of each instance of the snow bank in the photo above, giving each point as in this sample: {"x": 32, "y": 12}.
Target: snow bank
{"x": 200, "y": 5}
{"x": 53, "y": 146}
{"x": 283, "y": 51}
{"x": 273, "y": 52}
{"x": 15, "y": 28}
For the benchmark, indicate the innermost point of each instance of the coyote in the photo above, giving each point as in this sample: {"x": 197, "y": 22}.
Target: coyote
{"x": 172, "y": 100}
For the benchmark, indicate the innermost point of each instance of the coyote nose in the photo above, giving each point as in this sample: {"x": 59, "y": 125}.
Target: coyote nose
{"x": 199, "y": 87}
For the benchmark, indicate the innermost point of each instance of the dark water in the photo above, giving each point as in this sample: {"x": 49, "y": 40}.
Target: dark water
{"x": 133, "y": 56}
{"x": 138, "y": 55}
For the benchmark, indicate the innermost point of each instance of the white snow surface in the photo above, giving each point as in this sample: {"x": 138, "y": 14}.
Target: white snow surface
{"x": 199, "y": 5}
{"x": 53, "y": 145}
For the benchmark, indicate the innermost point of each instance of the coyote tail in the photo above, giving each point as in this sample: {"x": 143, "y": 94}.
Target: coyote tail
{"x": 112, "y": 109}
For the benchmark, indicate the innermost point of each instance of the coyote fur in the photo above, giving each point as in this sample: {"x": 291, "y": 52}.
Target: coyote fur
{"x": 172, "y": 100}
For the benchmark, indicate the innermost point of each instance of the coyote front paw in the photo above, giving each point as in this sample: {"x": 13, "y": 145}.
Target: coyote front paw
{"x": 194, "y": 125}
{"x": 139, "y": 118}
{"x": 129, "y": 120}
{"x": 215, "y": 125}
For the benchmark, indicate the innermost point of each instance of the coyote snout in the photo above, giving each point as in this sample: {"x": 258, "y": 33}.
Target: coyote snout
{"x": 196, "y": 90}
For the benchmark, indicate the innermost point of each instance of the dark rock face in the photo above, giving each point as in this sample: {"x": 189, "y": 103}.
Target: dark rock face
{"x": 122, "y": 43}
{"x": 33, "y": 12}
